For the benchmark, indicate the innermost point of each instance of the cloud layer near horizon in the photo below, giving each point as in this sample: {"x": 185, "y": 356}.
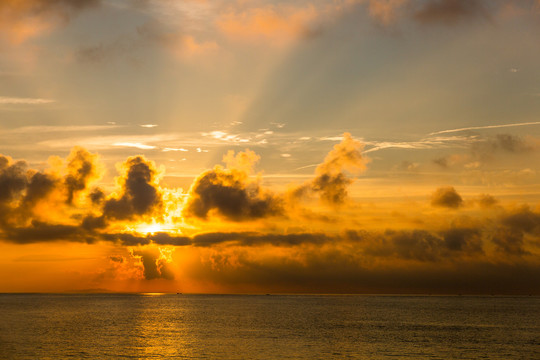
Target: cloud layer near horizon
{"x": 243, "y": 233}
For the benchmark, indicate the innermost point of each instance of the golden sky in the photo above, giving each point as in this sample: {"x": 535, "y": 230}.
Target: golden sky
{"x": 330, "y": 146}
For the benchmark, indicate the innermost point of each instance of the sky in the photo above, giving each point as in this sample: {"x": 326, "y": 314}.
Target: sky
{"x": 259, "y": 146}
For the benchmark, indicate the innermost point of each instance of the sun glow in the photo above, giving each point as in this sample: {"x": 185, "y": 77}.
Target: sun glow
{"x": 149, "y": 228}
{"x": 146, "y": 228}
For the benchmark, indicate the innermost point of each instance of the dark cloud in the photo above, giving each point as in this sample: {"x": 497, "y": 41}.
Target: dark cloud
{"x": 122, "y": 48}
{"x": 421, "y": 245}
{"x": 523, "y": 220}
{"x": 20, "y": 191}
{"x": 97, "y": 196}
{"x": 42, "y": 232}
{"x": 414, "y": 245}
{"x": 82, "y": 169}
{"x": 487, "y": 201}
{"x": 154, "y": 263}
{"x": 509, "y": 242}
{"x": 442, "y": 162}
{"x": 127, "y": 239}
{"x": 339, "y": 270}
{"x": 118, "y": 259}
{"x": 449, "y": 12}
{"x": 332, "y": 188}
{"x": 163, "y": 238}
{"x": 230, "y": 194}
{"x": 331, "y": 182}
{"x": 463, "y": 239}
{"x": 254, "y": 239}
{"x": 510, "y": 143}
{"x": 39, "y": 186}
{"x": 509, "y": 237}
{"x": 13, "y": 181}
{"x": 209, "y": 239}
{"x": 140, "y": 195}
{"x": 485, "y": 149}
{"x": 446, "y": 197}
{"x": 91, "y": 223}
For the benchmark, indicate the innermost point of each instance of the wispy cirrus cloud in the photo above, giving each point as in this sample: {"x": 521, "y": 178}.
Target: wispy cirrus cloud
{"x": 427, "y": 143}
{"x": 485, "y": 127}
{"x": 111, "y": 141}
{"x": 135, "y": 145}
{"x": 59, "y": 129}
{"x": 4, "y": 100}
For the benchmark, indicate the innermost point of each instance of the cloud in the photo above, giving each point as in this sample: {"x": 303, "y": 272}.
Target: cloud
{"x": 13, "y": 181}
{"x": 277, "y": 24}
{"x": 487, "y": 201}
{"x": 24, "y": 130}
{"x": 140, "y": 194}
{"x": 176, "y": 42}
{"x": 163, "y": 238}
{"x": 426, "y": 143}
{"x": 333, "y": 251}
{"x": 330, "y": 181}
{"x": 230, "y": 193}
{"x": 523, "y": 220}
{"x": 243, "y": 161}
{"x": 156, "y": 263}
{"x": 24, "y": 101}
{"x": 385, "y": 11}
{"x": 43, "y": 205}
{"x": 22, "y": 189}
{"x": 485, "y": 127}
{"x": 24, "y": 19}
{"x": 463, "y": 239}
{"x": 126, "y": 239}
{"x": 181, "y": 45}
{"x": 96, "y": 196}
{"x": 39, "y": 231}
{"x": 446, "y": 197}
{"x": 509, "y": 242}
{"x": 82, "y": 169}
{"x": 486, "y": 149}
{"x": 418, "y": 245}
{"x": 509, "y": 237}
{"x": 257, "y": 239}
{"x": 335, "y": 270}
{"x": 508, "y": 143}
{"x": 449, "y": 12}
{"x": 135, "y": 145}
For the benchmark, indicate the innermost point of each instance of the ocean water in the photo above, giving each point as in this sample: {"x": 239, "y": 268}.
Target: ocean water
{"x": 138, "y": 326}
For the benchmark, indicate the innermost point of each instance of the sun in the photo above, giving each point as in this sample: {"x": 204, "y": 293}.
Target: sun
{"x": 149, "y": 228}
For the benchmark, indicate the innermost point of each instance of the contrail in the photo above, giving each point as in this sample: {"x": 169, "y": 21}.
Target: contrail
{"x": 485, "y": 127}
{"x": 305, "y": 167}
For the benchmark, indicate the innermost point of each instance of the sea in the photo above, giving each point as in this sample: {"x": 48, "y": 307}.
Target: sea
{"x": 182, "y": 326}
